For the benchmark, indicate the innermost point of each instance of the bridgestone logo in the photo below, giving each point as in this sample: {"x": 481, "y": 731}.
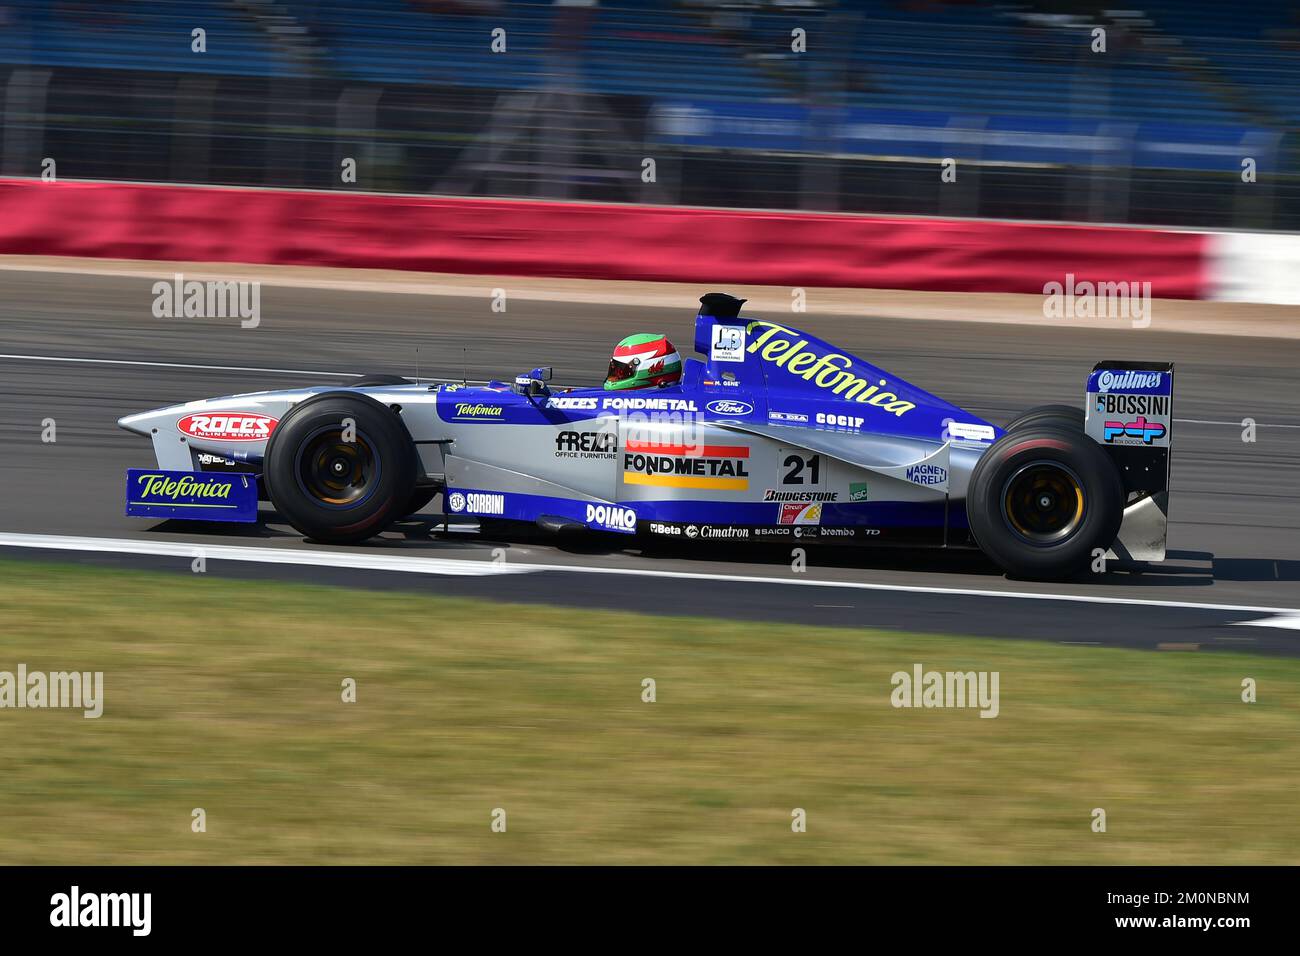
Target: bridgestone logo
{"x": 773, "y": 494}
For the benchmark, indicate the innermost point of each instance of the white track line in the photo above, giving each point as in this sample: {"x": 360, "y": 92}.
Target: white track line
{"x": 432, "y": 565}
{"x": 325, "y": 559}
{"x": 301, "y": 371}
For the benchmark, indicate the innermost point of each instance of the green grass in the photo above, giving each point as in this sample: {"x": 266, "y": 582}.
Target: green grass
{"x": 225, "y": 695}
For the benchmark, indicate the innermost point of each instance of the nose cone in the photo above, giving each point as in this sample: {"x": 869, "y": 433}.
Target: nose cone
{"x": 143, "y": 423}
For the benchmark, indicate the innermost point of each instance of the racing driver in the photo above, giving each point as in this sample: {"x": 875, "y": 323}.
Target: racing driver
{"x": 644, "y": 361}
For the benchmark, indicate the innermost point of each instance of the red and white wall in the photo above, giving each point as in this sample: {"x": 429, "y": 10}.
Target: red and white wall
{"x": 608, "y": 241}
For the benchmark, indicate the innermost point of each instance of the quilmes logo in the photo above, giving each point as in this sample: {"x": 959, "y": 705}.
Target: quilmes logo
{"x": 477, "y": 410}
{"x": 832, "y": 371}
{"x": 173, "y": 489}
{"x": 727, "y": 407}
{"x": 228, "y": 426}
{"x": 1121, "y": 381}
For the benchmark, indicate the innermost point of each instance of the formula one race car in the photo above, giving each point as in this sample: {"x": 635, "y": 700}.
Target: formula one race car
{"x": 774, "y": 436}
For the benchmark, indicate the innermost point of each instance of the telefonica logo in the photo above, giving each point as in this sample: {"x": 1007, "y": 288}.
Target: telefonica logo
{"x": 160, "y": 486}
{"x": 784, "y": 349}
{"x": 477, "y": 410}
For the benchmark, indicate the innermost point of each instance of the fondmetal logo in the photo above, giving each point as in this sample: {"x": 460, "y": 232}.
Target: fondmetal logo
{"x": 228, "y": 426}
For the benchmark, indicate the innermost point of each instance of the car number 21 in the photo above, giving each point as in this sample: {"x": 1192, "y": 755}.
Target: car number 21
{"x": 800, "y": 469}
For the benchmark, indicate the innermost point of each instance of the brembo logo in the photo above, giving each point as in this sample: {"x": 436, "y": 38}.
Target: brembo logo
{"x": 1108, "y": 380}
{"x": 228, "y": 426}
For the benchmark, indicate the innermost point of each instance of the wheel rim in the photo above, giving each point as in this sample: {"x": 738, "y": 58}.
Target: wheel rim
{"x": 1043, "y": 502}
{"x": 337, "y": 473}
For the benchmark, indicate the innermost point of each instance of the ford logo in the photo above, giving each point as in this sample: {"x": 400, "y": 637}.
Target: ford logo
{"x": 727, "y": 407}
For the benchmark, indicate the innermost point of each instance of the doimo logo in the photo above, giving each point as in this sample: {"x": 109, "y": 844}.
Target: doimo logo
{"x": 228, "y": 426}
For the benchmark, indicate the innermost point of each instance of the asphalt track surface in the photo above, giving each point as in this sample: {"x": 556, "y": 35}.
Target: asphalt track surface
{"x": 1234, "y": 546}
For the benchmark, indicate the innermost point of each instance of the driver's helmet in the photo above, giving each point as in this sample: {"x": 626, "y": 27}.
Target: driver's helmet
{"x": 644, "y": 361}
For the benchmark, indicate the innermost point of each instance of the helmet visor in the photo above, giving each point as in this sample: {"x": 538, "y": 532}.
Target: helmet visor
{"x": 621, "y": 371}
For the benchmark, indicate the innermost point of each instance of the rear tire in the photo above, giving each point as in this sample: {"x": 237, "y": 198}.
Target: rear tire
{"x": 333, "y": 490}
{"x": 1041, "y": 499}
{"x": 1069, "y": 417}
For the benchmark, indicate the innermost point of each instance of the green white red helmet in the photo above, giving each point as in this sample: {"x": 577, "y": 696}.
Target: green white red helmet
{"x": 644, "y": 361}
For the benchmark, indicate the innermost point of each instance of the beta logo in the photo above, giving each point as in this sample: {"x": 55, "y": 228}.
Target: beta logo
{"x": 227, "y": 426}
{"x": 927, "y": 475}
{"x": 725, "y": 406}
{"x": 611, "y": 518}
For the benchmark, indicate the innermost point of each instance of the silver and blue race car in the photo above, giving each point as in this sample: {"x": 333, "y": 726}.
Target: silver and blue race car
{"x": 773, "y": 435}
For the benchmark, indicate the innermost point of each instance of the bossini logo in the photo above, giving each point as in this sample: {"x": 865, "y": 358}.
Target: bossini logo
{"x": 73, "y": 909}
{"x": 77, "y": 690}
{"x": 213, "y": 299}
{"x": 832, "y": 371}
{"x": 922, "y": 688}
{"x": 1098, "y": 300}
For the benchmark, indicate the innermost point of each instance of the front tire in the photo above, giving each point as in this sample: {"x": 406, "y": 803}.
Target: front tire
{"x": 1042, "y": 499}
{"x": 332, "y": 489}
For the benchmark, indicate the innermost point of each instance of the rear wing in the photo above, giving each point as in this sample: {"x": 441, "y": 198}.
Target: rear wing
{"x": 1129, "y": 412}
